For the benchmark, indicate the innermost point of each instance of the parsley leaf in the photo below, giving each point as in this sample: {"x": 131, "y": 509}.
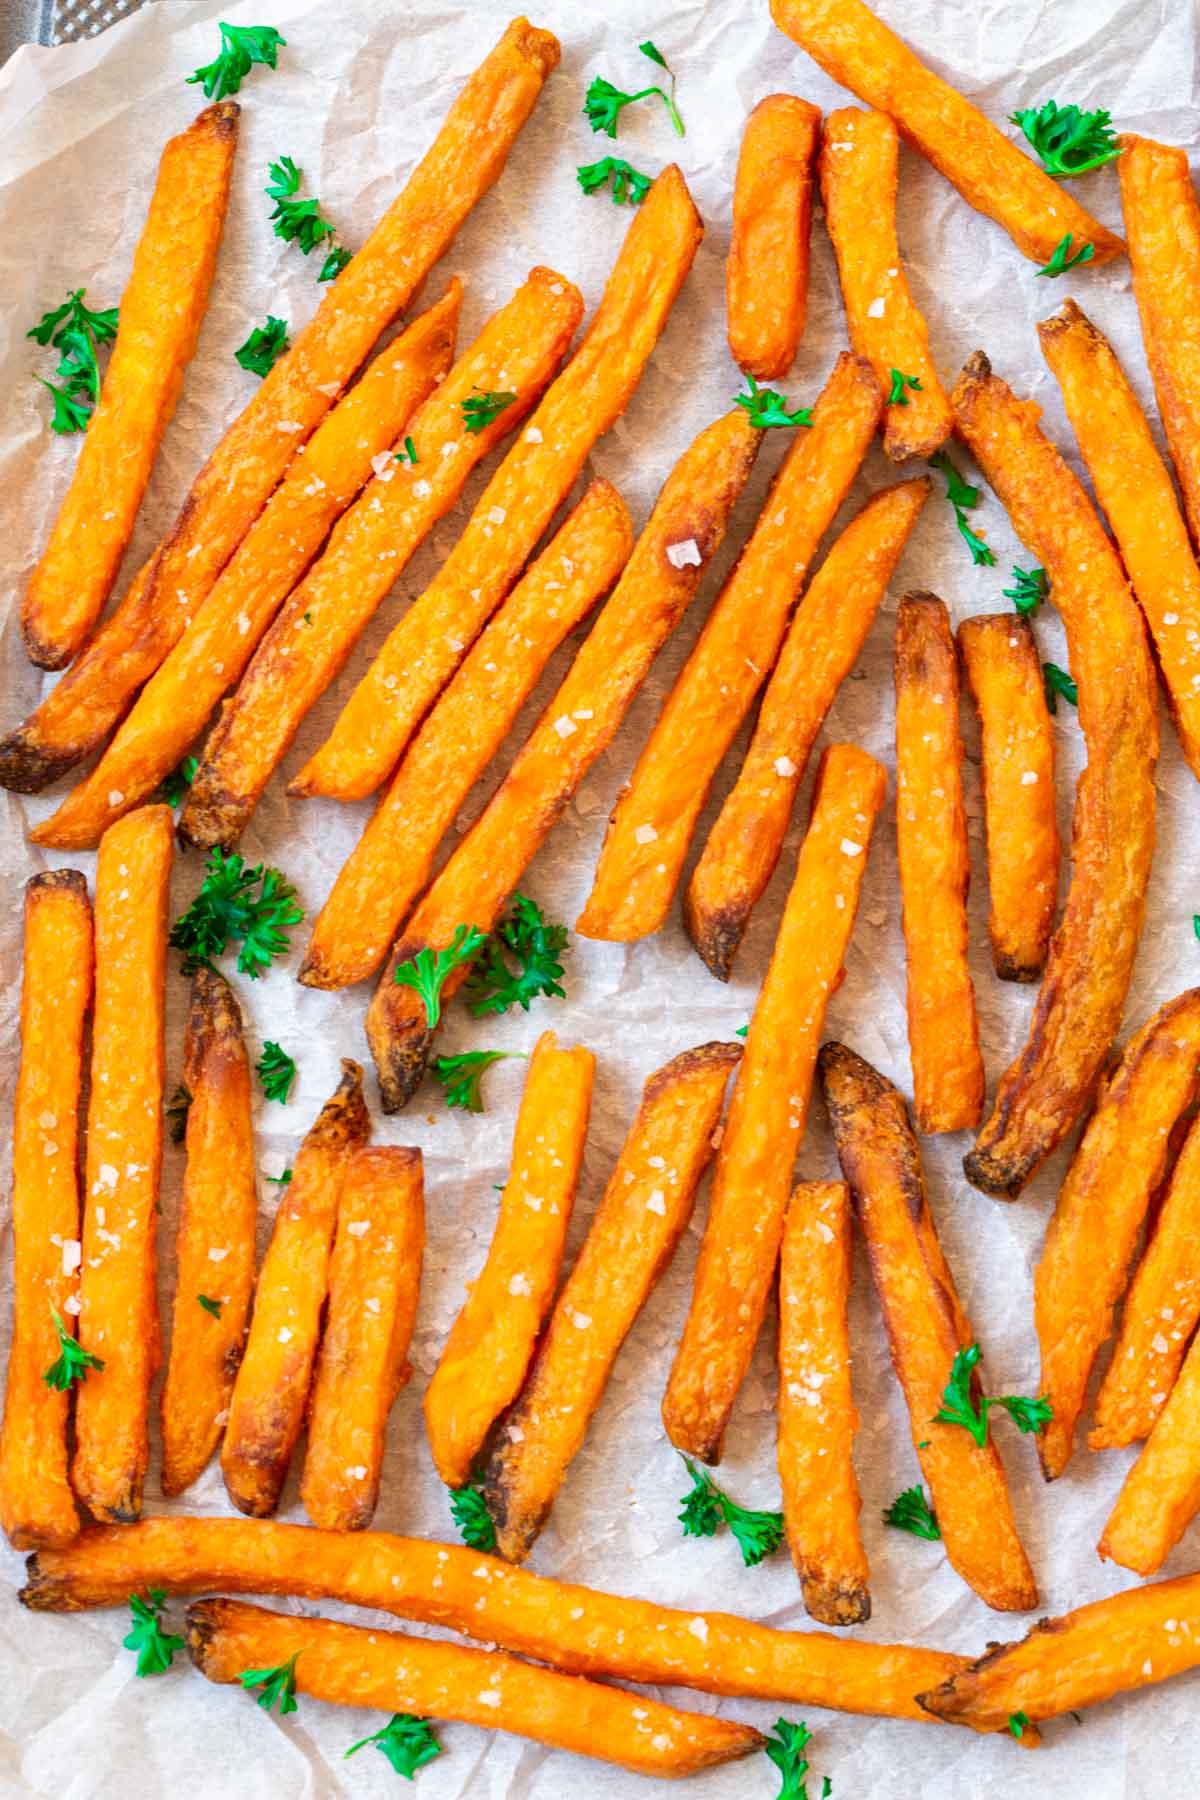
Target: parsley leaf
{"x": 334, "y": 263}
{"x": 480, "y": 408}
{"x": 1030, "y": 587}
{"x": 74, "y": 315}
{"x": 910, "y": 1511}
{"x": 1068, "y": 140}
{"x": 228, "y": 908}
{"x": 427, "y": 972}
{"x": 786, "y": 1750}
{"x": 961, "y": 1406}
{"x": 1196, "y": 924}
{"x": 628, "y": 183}
{"x": 1062, "y": 260}
{"x": 73, "y": 1364}
{"x": 180, "y": 780}
{"x": 604, "y": 103}
{"x": 75, "y": 331}
{"x": 766, "y": 407}
{"x": 900, "y": 381}
{"x": 241, "y": 47}
{"x": 301, "y": 221}
{"x": 210, "y": 1305}
{"x": 742, "y": 1031}
{"x": 155, "y": 1647}
{"x": 276, "y": 1070}
{"x": 523, "y": 936}
{"x": 470, "y": 1513}
{"x": 406, "y": 1741}
{"x": 963, "y": 498}
{"x": 263, "y": 348}
{"x": 276, "y": 1684}
{"x": 1057, "y": 682}
{"x": 461, "y": 1076}
{"x": 982, "y": 555}
{"x": 281, "y": 1180}
{"x": 409, "y": 453}
{"x": 1018, "y": 1722}
{"x": 706, "y": 1507}
{"x": 176, "y": 1111}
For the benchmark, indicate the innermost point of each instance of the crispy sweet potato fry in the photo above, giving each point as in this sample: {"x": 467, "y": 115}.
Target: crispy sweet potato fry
{"x": 931, "y": 837}
{"x": 769, "y": 1109}
{"x": 37, "y": 1506}
{"x": 161, "y": 310}
{"x": 491, "y": 1343}
{"x": 518, "y": 351}
{"x": 856, "y": 49}
{"x": 860, "y": 154}
{"x": 1000, "y": 659}
{"x": 210, "y": 658}
{"x": 817, "y": 1416}
{"x": 820, "y": 649}
{"x": 425, "y": 647}
{"x": 270, "y": 1394}
{"x": 926, "y": 1326}
{"x": 393, "y": 859}
{"x": 1101, "y": 1206}
{"x": 641, "y": 1217}
{"x": 464, "y": 161}
{"x": 353, "y": 1666}
{"x": 215, "y": 1241}
{"x": 655, "y": 814}
{"x": 374, "y": 1286}
{"x": 1078, "y": 1010}
{"x": 118, "y": 1317}
{"x": 648, "y": 602}
{"x": 1161, "y": 1492}
{"x": 766, "y": 272}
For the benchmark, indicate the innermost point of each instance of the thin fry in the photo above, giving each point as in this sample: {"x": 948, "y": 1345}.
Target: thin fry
{"x": 766, "y": 272}
{"x": 1161, "y": 1493}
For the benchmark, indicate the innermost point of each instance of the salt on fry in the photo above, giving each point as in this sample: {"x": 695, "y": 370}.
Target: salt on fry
{"x": 766, "y": 271}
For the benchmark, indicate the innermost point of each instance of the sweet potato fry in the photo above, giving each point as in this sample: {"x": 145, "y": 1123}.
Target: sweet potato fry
{"x": 766, "y": 272}
{"x": 926, "y": 1326}
{"x": 820, "y": 649}
{"x": 1000, "y": 659}
{"x": 517, "y": 351}
{"x": 931, "y": 837}
{"x": 1161, "y": 1493}
{"x": 118, "y": 1316}
{"x": 351, "y": 1665}
{"x": 161, "y": 310}
{"x": 860, "y": 154}
{"x": 691, "y": 514}
{"x": 769, "y": 1109}
{"x": 210, "y": 658}
{"x": 641, "y": 1217}
{"x": 491, "y": 1343}
{"x": 215, "y": 1241}
{"x": 464, "y": 161}
{"x": 425, "y": 647}
{"x": 37, "y": 1506}
{"x": 1079, "y": 1008}
{"x": 856, "y": 49}
{"x": 270, "y": 1394}
{"x": 655, "y": 814}
{"x": 1101, "y": 1206}
{"x": 817, "y": 1416}
{"x": 393, "y": 860}
{"x": 374, "y": 1286}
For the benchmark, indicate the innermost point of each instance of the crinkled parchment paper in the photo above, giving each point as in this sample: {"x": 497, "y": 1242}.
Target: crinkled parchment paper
{"x": 359, "y": 93}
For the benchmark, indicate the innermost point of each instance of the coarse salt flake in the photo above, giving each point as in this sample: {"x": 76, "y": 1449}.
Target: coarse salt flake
{"x": 72, "y": 1255}
{"x": 848, "y": 847}
{"x": 645, "y": 834}
{"x": 520, "y": 1284}
{"x": 657, "y": 1203}
{"x": 285, "y": 1335}
{"x": 581, "y": 1320}
{"x": 565, "y": 726}
{"x": 785, "y": 766}
{"x": 359, "y": 1227}
{"x": 1029, "y": 778}
{"x": 682, "y": 554}
{"x": 384, "y": 465}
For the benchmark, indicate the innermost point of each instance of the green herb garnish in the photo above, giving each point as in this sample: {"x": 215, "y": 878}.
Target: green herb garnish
{"x": 1018, "y": 1722}
{"x": 177, "y": 783}
{"x": 766, "y": 407}
{"x": 276, "y": 1684}
{"x": 301, "y": 221}
{"x": 409, "y": 452}
{"x": 786, "y": 1750}
{"x": 604, "y": 103}
{"x": 471, "y": 1515}
{"x": 523, "y": 938}
{"x": 1057, "y": 682}
{"x": 263, "y": 348}
{"x": 706, "y": 1507}
{"x": 480, "y": 408}
{"x": 1069, "y": 141}
{"x": 281, "y": 1180}
{"x": 461, "y": 1076}
{"x": 406, "y": 1741}
{"x": 334, "y": 263}
{"x": 963, "y": 498}
{"x": 227, "y": 908}
{"x": 276, "y": 1070}
{"x": 910, "y": 1511}
{"x": 76, "y": 332}
{"x": 176, "y": 1111}
{"x": 961, "y": 1406}
{"x": 1030, "y": 587}
{"x": 241, "y": 47}
{"x": 74, "y": 1362}
{"x": 1062, "y": 260}
{"x": 427, "y": 971}
{"x": 900, "y": 381}
{"x": 155, "y": 1647}
{"x": 210, "y": 1305}
{"x": 628, "y": 183}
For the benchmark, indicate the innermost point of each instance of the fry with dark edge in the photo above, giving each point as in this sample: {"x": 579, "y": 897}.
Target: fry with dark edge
{"x": 160, "y": 314}
{"x": 419, "y": 655}
{"x": 926, "y": 1326}
{"x": 271, "y": 1392}
{"x": 37, "y": 1506}
{"x": 633, "y": 1236}
{"x": 644, "y": 608}
{"x": 215, "y": 1240}
{"x": 1161, "y": 1493}
{"x": 351, "y": 1665}
{"x": 752, "y": 1182}
{"x": 118, "y": 1317}
{"x": 1078, "y": 1011}
{"x": 491, "y": 1343}
{"x": 857, "y": 50}
{"x": 766, "y": 271}
{"x": 1004, "y": 674}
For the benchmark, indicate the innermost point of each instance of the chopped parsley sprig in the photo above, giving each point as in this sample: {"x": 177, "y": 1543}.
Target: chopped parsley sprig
{"x": 276, "y": 1684}
{"x": 603, "y": 104}
{"x": 76, "y": 332}
{"x": 518, "y": 962}
{"x": 1063, "y": 259}
{"x": 1018, "y": 1723}
{"x": 767, "y": 408}
{"x": 627, "y": 183}
{"x": 1069, "y": 140}
{"x": 155, "y": 1647}
{"x": 301, "y": 221}
{"x": 910, "y": 1511}
{"x": 461, "y": 1076}
{"x": 480, "y": 408}
{"x": 1057, "y": 682}
{"x": 961, "y": 1406}
{"x": 786, "y": 1749}
{"x": 276, "y": 1070}
{"x": 706, "y": 1508}
{"x": 470, "y": 1512}
{"x": 1029, "y": 588}
{"x": 406, "y": 1741}
{"x": 207, "y": 1304}
{"x": 241, "y": 47}
{"x": 900, "y": 381}
{"x": 427, "y": 970}
{"x": 263, "y": 348}
{"x": 73, "y": 1362}
{"x": 177, "y": 783}
{"x": 963, "y": 498}
{"x": 255, "y": 907}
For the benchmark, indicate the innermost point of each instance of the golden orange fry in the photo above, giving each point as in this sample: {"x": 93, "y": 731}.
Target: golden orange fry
{"x": 1161, "y": 1493}
{"x": 766, "y": 272}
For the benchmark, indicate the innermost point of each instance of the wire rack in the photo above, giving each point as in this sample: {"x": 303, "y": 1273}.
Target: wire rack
{"x": 69, "y": 20}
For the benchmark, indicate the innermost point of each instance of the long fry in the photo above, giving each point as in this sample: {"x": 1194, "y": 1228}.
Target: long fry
{"x": 118, "y": 1317}
{"x": 491, "y": 1343}
{"x": 36, "y": 1504}
{"x": 766, "y": 272}
{"x": 424, "y": 649}
{"x": 691, "y": 514}
{"x": 1079, "y": 1008}
{"x": 655, "y": 815}
{"x": 769, "y": 1109}
{"x": 392, "y": 862}
{"x": 641, "y": 1217}
{"x": 215, "y": 1242}
{"x": 1161, "y": 1493}
{"x": 823, "y": 641}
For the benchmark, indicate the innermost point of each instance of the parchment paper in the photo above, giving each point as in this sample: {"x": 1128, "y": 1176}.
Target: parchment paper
{"x": 359, "y": 93}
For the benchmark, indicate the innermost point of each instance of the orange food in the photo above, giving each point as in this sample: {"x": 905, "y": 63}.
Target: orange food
{"x": 1161, "y": 1493}
{"x": 766, "y": 273}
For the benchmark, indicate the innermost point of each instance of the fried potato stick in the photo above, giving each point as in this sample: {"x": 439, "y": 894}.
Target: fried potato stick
{"x": 1078, "y": 1011}
{"x": 820, "y": 649}
{"x": 926, "y": 1326}
{"x": 393, "y": 860}
{"x": 423, "y": 650}
{"x": 492, "y": 1341}
{"x": 638, "y": 1224}
{"x": 1161, "y": 1493}
{"x": 648, "y": 602}
{"x": 161, "y": 310}
{"x": 769, "y": 1109}
{"x": 37, "y": 1507}
{"x": 766, "y": 271}
{"x": 1004, "y": 673}
{"x": 118, "y": 1317}
{"x": 215, "y": 1241}
{"x": 271, "y": 1391}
